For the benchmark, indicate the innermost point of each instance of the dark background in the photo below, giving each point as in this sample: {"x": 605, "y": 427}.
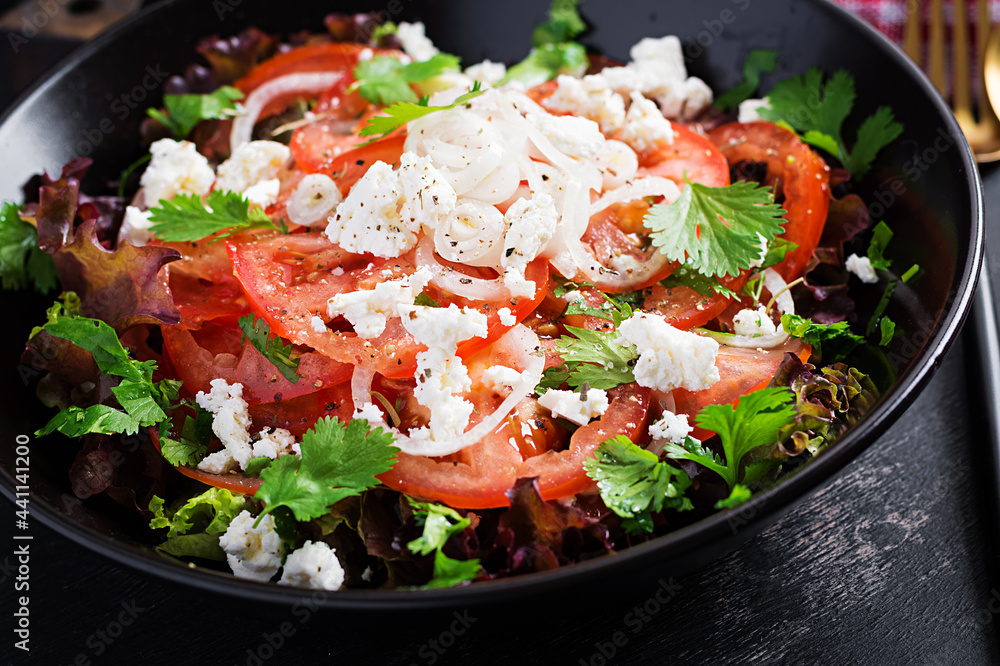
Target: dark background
{"x": 894, "y": 562}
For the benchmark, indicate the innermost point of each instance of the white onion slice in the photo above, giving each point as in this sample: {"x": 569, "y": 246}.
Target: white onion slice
{"x": 303, "y": 82}
{"x": 522, "y": 343}
{"x": 769, "y": 341}
{"x": 451, "y": 280}
{"x": 472, "y": 234}
{"x": 777, "y": 285}
{"x": 313, "y": 199}
{"x": 652, "y": 186}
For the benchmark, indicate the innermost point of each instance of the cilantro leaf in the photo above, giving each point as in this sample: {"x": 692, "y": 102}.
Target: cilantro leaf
{"x": 337, "y": 461}
{"x": 143, "y": 400}
{"x": 423, "y": 298}
{"x": 385, "y": 80}
{"x": 714, "y": 229}
{"x": 548, "y": 61}
{"x": 187, "y": 218}
{"x": 439, "y": 523}
{"x": 752, "y": 423}
{"x": 887, "y": 328}
{"x": 633, "y": 482}
{"x": 831, "y": 342}
{"x": 738, "y": 495}
{"x": 596, "y": 358}
{"x": 258, "y": 332}
{"x": 564, "y": 24}
{"x": 183, "y": 112}
{"x": 758, "y": 62}
{"x": 881, "y": 236}
{"x": 776, "y": 251}
{"x": 404, "y": 112}
{"x": 806, "y": 105}
{"x": 255, "y": 465}
{"x": 21, "y": 262}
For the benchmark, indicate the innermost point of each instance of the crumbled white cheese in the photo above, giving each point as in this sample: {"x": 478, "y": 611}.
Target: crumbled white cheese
{"x": 589, "y": 97}
{"x": 574, "y": 296}
{"x": 231, "y": 417}
{"x": 440, "y": 375}
{"x": 314, "y": 565}
{"x": 759, "y": 261}
{"x": 369, "y": 412}
{"x": 368, "y": 220}
{"x": 862, "y": 267}
{"x": 443, "y": 328}
{"x": 753, "y": 322}
{"x": 219, "y": 462}
{"x": 670, "y": 358}
{"x": 263, "y": 193}
{"x": 500, "y": 377}
{"x": 414, "y": 40}
{"x": 572, "y": 406}
{"x": 318, "y": 324}
{"x": 313, "y": 199}
{"x": 750, "y": 109}
{"x": 273, "y": 444}
{"x": 645, "y": 126}
{"x": 253, "y": 553}
{"x": 671, "y": 428}
{"x": 577, "y": 137}
{"x": 488, "y": 73}
{"x": 250, "y": 164}
{"x": 428, "y": 198}
{"x": 175, "y": 168}
{"x": 369, "y": 310}
{"x": 507, "y": 317}
{"x": 657, "y": 71}
{"x": 135, "y": 226}
{"x": 532, "y": 225}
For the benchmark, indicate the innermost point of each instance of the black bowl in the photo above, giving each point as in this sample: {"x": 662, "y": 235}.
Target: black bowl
{"x": 925, "y": 184}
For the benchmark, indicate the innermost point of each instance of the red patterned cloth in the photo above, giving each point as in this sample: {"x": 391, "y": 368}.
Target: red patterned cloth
{"x": 890, "y": 17}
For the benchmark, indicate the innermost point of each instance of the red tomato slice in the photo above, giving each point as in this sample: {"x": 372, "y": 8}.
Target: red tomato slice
{"x": 203, "y": 286}
{"x": 685, "y": 308}
{"x": 803, "y": 177}
{"x": 477, "y": 477}
{"x": 691, "y": 155}
{"x": 741, "y": 371}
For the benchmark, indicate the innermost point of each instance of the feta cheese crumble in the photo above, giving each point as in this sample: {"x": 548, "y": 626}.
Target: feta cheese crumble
{"x": 862, "y": 267}
{"x": 280, "y": 442}
{"x": 487, "y": 72}
{"x": 749, "y": 111}
{"x": 577, "y": 137}
{"x": 264, "y": 193}
{"x": 231, "y": 418}
{"x": 500, "y": 377}
{"x": 175, "y": 168}
{"x": 670, "y": 358}
{"x": 532, "y": 225}
{"x": 507, "y": 318}
{"x": 591, "y": 98}
{"x": 315, "y": 565}
{"x": 250, "y": 164}
{"x": 573, "y": 406}
{"x": 671, "y": 427}
{"x": 253, "y": 553}
{"x": 416, "y": 44}
{"x": 135, "y": 226}
{"x": 753, "y": 322}
{"x": 428, "y": 198}
{"x": 369, "y": 310}
{"x": 645, "y": 126}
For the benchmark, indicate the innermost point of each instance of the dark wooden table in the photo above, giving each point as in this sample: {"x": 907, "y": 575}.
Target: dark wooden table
{"x": 891, "y": 563}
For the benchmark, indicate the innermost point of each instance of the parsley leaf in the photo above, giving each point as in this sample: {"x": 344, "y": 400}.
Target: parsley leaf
{"x": 564, "y": 24}
{"x": 881, "y": 236}
{"x": 187, "y": 218}
{"x": 439, "y": 523}
{"x": 183, "y": 112}
{"x": 754, "y": 422}
{"x": 385, "y": 80}
{"x": 404, "y": 112}
{"x": 759, "y": 61}
{"x": 714, "y": 229}
{"x": 192, "y": 445}
{"x": 21, "y": 262}
{"x": 337, "y": 461}
{"x": 634, "y": 483}
{"x": 831, "y": 342}
{"x": 806, "y": 105}
{"x": 143, "y": 400}
{"x": 258, "y": 332}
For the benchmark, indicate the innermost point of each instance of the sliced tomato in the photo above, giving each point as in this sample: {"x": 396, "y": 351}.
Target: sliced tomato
{"x": 348, "y": 167}
{"x": 685, "y": 308}
{"x": 691, "y": 155}
{"x": 203, "y": 286}
{"x": 619, "y": 241}
{"x": 798, "y": 173}
{"x": 741, "y": 371}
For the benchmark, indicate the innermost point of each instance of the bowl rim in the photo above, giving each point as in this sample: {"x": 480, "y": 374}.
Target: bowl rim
{"x": 767, "y": 506}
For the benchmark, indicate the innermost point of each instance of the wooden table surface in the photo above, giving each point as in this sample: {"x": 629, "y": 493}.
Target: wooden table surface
{"x": 891, "y": 563}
